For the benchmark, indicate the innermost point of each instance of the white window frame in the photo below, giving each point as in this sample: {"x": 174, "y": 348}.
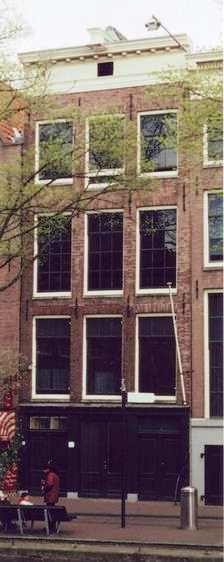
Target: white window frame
{"x": 59, "y": 181}
{"x": 109, "y": 293}
{"x": 51, "y": 294}
{"x": 165, "y": 174}
{"x": 153, "y": 291}
{"x": 112, "y": 172}
{"x": 206, "y": 353}
{"x": 207, "y": 263}
{"x": 35, "y": 395}
{"x": 96, "y": 397}
{"x": 206, "y": 161}
{"x": 171, "y": 399}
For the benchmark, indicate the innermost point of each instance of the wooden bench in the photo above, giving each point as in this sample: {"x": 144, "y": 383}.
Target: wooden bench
{"x": 21, "y": 514}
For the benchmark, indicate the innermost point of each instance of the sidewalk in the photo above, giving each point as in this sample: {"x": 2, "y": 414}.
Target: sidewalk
{"x": 155, "y": 523}
{"x": 152, "y": 534}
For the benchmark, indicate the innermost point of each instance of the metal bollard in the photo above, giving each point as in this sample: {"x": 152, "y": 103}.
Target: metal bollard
{"x": 189, "y": 508}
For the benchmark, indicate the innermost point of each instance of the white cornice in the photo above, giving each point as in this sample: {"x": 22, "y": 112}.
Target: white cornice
{"x": 206, "y": 56}
{"x": 119, "y": 47}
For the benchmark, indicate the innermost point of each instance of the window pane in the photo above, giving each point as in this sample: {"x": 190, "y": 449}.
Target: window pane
{"x": 54, "y": 254}
{"x": 105, "y": 255}
{"x": 157, "y": 356}
{"x": 215, "y": 226}
{"x": 215, "y": 308}
{"x": 55, "y": 150}
{"x": 215, "y": 140}
{"x": 53, "y": 355}
{"x": 157, "y": 248}
{"x": 106, "y": 142}
{"x": 158, "y": 142}
{"x": 103, "y": 355}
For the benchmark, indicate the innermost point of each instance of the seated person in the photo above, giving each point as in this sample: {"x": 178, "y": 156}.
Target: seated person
{"x": 25, "y": 499}
{"x": 3, "y": 498}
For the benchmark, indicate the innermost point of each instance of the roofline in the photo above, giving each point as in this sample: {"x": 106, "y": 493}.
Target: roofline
{"x": 88, "y": 51}
{"x": 206, "y": 56}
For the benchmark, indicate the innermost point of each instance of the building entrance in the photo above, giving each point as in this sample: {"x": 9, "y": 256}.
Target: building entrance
{"x": 100, "y": 459}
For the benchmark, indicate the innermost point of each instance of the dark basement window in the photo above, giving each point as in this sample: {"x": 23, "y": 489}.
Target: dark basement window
{"x": 105, "y": 69}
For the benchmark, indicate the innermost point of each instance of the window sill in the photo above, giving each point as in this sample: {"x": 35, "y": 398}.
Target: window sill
{"x": 52, "y": 295}
{"x": 101, "y": 398}
{"x": 213, "y": 164}
{"x": 142, "y": 292}
{"x": 51, "y": 397}
{"x": 101, "y": 294}
{"x": 52, "y": 183}
{"x": 159, "y": 174}
{"x": 213, "y": 266}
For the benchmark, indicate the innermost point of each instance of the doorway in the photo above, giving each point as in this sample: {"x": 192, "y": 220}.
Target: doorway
{"x": 100, "y": 459}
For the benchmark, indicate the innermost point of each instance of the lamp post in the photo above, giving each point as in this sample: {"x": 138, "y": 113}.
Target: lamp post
{"x": 124, "y": 451}
{"x": 155, "y": 24}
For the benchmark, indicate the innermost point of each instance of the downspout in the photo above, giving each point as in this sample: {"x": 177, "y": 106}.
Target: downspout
{"x": 177, "y": 347}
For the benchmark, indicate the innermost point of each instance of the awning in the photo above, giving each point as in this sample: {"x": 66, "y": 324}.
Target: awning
{"x": 7, "y": 426}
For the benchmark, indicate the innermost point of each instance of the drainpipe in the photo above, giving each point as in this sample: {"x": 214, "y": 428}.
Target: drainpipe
{"x": 177, "y": 347}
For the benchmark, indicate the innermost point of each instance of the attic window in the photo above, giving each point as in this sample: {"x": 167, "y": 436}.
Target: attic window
{"x": 105, "y": 69}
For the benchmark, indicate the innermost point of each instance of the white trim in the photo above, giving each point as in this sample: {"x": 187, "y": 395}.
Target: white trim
{"x": 104, "y": 172}
{"x": 51, "y": 294}
{"x": 206, "y": 161}
{"x": 115, "y": 47}
{"x": 35, "y": 395}
{"x": 159, "y": 174}
{"x": 207, "y": 263}
{"x": 206, "y": 353}
{"x": 109, "y": 293}
{"x": 59, "y": 181}
{"x": 158, "y": 398}
{"x": 96, "y": 397}
{"x": 152, "y": 291}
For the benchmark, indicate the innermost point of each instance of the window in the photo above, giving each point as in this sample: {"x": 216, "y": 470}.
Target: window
{"x": 213, "y": 228}
{"x": 52, "y": 356}
{"x": 55, "y": 423}
{"x": 215, "y": 345}
{"x": 157, "y": 249}
{"x": 105, "y": 148}
{"x": 54, "y": 151}
{"x": 158, "y": 143}
{"x": 53, "y": 248}
{"x": 103, "y": 356}
{"x": 105, "y": 68}
{"x": 105, "y": 252}
{"x": 157, "y": 355}
{"x": 213, "y": 142}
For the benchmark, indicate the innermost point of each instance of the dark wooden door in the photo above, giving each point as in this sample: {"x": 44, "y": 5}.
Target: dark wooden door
{"x": 214, "y": 475}
{"x": 100, "y": 459}
{"x": 41, "y": 448}
{"x": 159, "y": 465}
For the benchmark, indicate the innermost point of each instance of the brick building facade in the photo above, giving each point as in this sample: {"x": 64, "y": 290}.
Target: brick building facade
{"x": 103, "y": 313}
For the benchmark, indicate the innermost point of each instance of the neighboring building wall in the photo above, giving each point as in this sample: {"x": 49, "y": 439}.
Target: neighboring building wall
{"x": 204, "y": 430}
{"x": 203, "y": 433}
{"x": 10, "y": 297}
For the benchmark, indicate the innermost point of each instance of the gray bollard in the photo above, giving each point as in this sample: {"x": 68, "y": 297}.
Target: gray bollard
{"x": 189, "y": 508}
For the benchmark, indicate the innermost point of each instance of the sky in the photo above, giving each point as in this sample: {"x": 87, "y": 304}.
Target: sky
{"x": 63, "y": 23}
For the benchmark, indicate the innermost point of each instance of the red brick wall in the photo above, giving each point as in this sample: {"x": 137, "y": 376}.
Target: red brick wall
{"x": 10, "y": 298}
{"x": 174, "y": 191}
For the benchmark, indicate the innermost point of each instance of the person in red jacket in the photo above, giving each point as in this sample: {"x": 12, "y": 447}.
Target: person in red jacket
{"x": 50, "y": 484}
{"x": 51, "y": 488}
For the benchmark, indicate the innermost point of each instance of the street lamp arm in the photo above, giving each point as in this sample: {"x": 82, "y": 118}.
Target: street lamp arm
{"x": 155, "y": 24}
